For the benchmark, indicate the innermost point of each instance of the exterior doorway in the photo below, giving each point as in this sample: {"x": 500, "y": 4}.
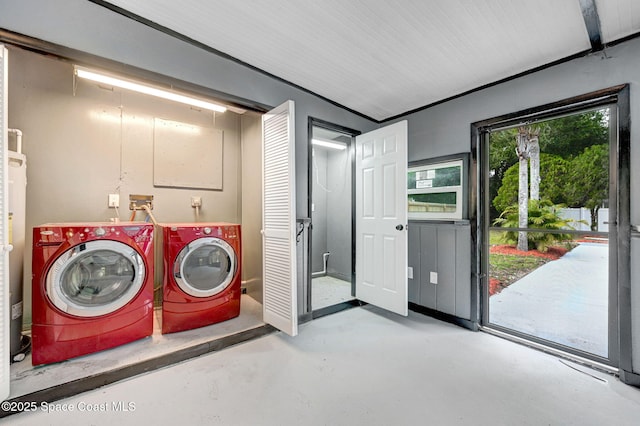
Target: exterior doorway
{"x": 550, "y": 245}
{"x": 552, "y": 283}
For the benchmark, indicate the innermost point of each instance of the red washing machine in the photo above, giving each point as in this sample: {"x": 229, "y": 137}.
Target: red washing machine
{"x": 92, "y": 288}
{"x": 201, "y": 274}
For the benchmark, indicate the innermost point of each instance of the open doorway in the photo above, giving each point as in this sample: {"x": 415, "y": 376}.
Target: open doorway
{"x": 552, "y": 216}
{"x": 331, "y": 207}
{"x": 552, "y": 283}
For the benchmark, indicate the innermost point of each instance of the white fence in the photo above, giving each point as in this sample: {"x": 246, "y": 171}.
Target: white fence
{"x": 578, "y": 214}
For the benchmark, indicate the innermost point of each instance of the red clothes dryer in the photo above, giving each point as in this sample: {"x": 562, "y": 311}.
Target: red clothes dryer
{"x": 92, "y": 288}
{"x": 201, "y": 274}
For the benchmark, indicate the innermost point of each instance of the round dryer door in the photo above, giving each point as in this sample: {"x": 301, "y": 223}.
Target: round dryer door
{"x": 205, "y": 267}
{"x": 95, "y": 278}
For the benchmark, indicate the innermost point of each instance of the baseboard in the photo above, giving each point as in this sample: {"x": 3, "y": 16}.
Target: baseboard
{"x": 629, "y": 378}
{"x": 470, "y": 325}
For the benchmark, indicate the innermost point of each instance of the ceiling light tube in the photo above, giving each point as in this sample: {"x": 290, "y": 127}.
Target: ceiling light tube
{"x": 329, "y": 144}
{"x": 147, "y": 90}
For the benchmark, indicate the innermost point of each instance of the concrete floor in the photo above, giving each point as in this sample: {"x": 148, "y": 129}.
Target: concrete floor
{"x": 564, "y": 301}
{"x": 26, "y": 379}
{"x": 362, "y": 366}
{"x": 328, "y": 291}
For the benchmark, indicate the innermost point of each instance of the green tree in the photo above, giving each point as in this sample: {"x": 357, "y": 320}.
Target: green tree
{"x": 587, "y": 184}
{"x": 554, "y": 174}
{"x": 543, "y": 215}
{"x": 564, "y": 178}
{"x": 502, "y": 155}
{"x": 569, "y": 136}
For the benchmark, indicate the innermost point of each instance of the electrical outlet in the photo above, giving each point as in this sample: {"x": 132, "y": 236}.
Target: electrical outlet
{"x": 196, "y": 201}
{"x": 114, "y": 200}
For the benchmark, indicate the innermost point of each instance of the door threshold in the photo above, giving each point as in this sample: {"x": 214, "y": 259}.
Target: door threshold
{"x": 338, "y": 307}
{"x": 605, "y": 368}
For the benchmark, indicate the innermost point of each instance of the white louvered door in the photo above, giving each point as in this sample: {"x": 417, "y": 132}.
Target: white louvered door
{"x": 5, "y": 359}
{"x": 280, "y": 303}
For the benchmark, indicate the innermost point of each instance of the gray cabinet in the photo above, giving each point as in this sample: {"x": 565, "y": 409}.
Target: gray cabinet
{"x": 414, "y": 259}
{"x": 440, "y": 257}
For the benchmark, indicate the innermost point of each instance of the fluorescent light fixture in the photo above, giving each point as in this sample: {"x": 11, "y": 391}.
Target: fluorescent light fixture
{"x": 147, "y": 90}
{"x": 329, "y": 144}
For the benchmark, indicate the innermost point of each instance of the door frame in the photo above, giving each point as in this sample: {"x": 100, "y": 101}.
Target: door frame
{"x": 316, "y": 122}
{"x": 619, "y": 280}
{"x": 5, "y": 246}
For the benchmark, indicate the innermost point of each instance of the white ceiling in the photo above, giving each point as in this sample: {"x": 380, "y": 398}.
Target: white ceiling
{"x": 383, "y": 58}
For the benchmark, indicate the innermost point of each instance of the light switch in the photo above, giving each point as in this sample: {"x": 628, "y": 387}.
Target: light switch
{"x": 410, "y": 273}
{"x": 433, "y": 277}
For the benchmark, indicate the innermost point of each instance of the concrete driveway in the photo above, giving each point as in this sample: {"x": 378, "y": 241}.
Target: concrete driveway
{"x": 564, "y": 301}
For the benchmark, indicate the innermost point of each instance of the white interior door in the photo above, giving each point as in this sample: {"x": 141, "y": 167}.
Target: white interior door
{"x": 381, "y": 218}
{"x": 5, "y": 247}
{"x": 280, "y": 300}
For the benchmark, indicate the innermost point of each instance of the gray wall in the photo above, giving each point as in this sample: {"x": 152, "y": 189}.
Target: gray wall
{"x": 445, "y": 129}
{"x": 319, "y": 213}
{"x": 332, "y": 216}
{"x": 339, "y": 241}
{"x": 251, "y": 204}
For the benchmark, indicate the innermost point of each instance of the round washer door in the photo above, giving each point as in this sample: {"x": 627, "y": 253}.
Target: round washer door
{"x": 205, "y": 267}
{"x": 95, "y": 278}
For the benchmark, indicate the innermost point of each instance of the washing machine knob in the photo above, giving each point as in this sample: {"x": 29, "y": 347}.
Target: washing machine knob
{"x": 207, "y": 231}
{"x": 100, "y": 232}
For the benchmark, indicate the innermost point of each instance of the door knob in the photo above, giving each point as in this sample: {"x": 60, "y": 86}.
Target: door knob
{"x": 399, "y": 227}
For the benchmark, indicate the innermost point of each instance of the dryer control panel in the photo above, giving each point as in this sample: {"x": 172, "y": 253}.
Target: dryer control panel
{"x": 189, "y": 231}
